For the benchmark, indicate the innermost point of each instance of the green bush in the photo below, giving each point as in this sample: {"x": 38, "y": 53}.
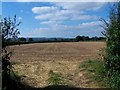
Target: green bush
{"x": 112, "y": 51}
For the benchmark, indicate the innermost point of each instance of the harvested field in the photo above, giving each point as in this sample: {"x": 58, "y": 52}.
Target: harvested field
{"x": 35, "y": 61}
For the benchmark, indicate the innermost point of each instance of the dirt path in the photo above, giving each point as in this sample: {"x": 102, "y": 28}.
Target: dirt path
{"x": 35, "y": 61}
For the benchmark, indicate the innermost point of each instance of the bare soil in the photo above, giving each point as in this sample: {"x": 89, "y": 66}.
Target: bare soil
{"x": 34, "y": 62}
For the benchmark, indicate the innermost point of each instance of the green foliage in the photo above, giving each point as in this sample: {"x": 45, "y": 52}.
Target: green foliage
{"x": 30, "y": 39}
{"x": 55, "y": 78}
{"x": 82, "y": 38}
{"x": 21, "y": 39}
{"x": 112, "y": 55}
{"x": 14, "y": 76}
{"x": 78, "y": 38}
{"x": 9, "y": 31}
{"x": 95, "y": 71}
{"x": 94, "y": 66}
{"x": 87, "y": 38}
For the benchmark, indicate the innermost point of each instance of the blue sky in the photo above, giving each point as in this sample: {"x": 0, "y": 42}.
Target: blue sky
{"x": 57, "y": 19}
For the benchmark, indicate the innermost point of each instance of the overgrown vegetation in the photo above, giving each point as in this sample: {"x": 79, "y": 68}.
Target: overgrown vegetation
{"x": 112, "y": 51}
{"x": 55, "y": 78}
{"x": 9, "y": 30}
{"x": 109, "y": 69}
{"x": 95, "y": 71}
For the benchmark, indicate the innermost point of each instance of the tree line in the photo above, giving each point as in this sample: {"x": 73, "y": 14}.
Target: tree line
{"x": 76, "y": 39}
{"x": 87, "y": 38}
{"x": 23, "y": 40}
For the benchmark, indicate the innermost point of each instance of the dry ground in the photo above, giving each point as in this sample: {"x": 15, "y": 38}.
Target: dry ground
{"x": 34, "y": 61}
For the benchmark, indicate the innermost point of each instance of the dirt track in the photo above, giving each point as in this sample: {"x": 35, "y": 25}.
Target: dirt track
{"x": 34, "y": 61}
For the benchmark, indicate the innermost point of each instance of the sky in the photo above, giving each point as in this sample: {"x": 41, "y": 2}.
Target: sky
{"x": 57, "y": 19}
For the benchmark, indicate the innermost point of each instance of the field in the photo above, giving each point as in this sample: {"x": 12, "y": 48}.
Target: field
{"x": 34, "y": 62}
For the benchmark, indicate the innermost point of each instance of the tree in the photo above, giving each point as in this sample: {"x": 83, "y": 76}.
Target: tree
{"x": 87, "y": 38}
{"x": 94, "y": 38}
{"x": 112, "y": 51}
{"x": 82, "y": 38}
{"x": 22, "y": 39}
{"x": 78, "y": 38}
{"x": 30, "y": 39}
{"x": 9, "y": 30}
{"x": 101, "y": 38}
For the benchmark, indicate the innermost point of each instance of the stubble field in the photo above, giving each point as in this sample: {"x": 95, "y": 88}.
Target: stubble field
{"x": 34, "y": 62}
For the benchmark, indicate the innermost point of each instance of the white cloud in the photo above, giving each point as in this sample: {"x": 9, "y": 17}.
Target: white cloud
{"x": 82, "y": 26}
{"x": 53, "y": 18}
{"x": 64, "y": 15}
{"x": 68, "y": 11}
{"x": 38, "y": 30}
{"x": 19, "y": 18}
{"x": 51, "y": 23}
{"x": 88, "y": 28}
{"x": 80, "y": 6}
{"x": 91, "y": 24}
{"x": 44, "y": 16}
{"x": 44, "y": 9}
{"x": 85, "y": 17}
{"x": 42, "y": 32}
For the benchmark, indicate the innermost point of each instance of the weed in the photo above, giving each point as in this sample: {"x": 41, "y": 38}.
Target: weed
{"x": 55, "y": 78}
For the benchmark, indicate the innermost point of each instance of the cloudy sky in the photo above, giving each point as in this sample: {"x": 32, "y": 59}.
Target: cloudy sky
{"x": 57, "y": 19}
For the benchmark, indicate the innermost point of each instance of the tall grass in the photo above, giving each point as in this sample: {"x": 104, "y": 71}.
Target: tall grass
{"x": 95, "y": 71}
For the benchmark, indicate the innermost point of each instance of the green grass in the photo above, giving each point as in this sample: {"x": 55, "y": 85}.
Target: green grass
{"x": 95, "y": 71}
{"x": 15, "y": 76}
{"x": 55, "y": 78}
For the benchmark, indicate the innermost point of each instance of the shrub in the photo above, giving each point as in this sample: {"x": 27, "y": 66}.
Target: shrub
{"x": 112, "y": 51}
{"x": 9, "y": 30}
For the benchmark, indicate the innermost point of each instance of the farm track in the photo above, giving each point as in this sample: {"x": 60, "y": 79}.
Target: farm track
{"x": 34, "y": 61}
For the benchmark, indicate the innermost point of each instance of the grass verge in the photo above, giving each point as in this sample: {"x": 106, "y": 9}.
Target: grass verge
{"x": 95, "y": 71}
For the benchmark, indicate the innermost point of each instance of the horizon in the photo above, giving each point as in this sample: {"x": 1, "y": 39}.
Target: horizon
{"x": 58, "y": 19}
{"x": 61, "y": 37}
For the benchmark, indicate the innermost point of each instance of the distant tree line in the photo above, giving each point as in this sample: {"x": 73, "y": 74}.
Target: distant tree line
{"x": 87, "y": 38}
{"x": 23, "y": 40}
{"x": 76, "y": 39}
